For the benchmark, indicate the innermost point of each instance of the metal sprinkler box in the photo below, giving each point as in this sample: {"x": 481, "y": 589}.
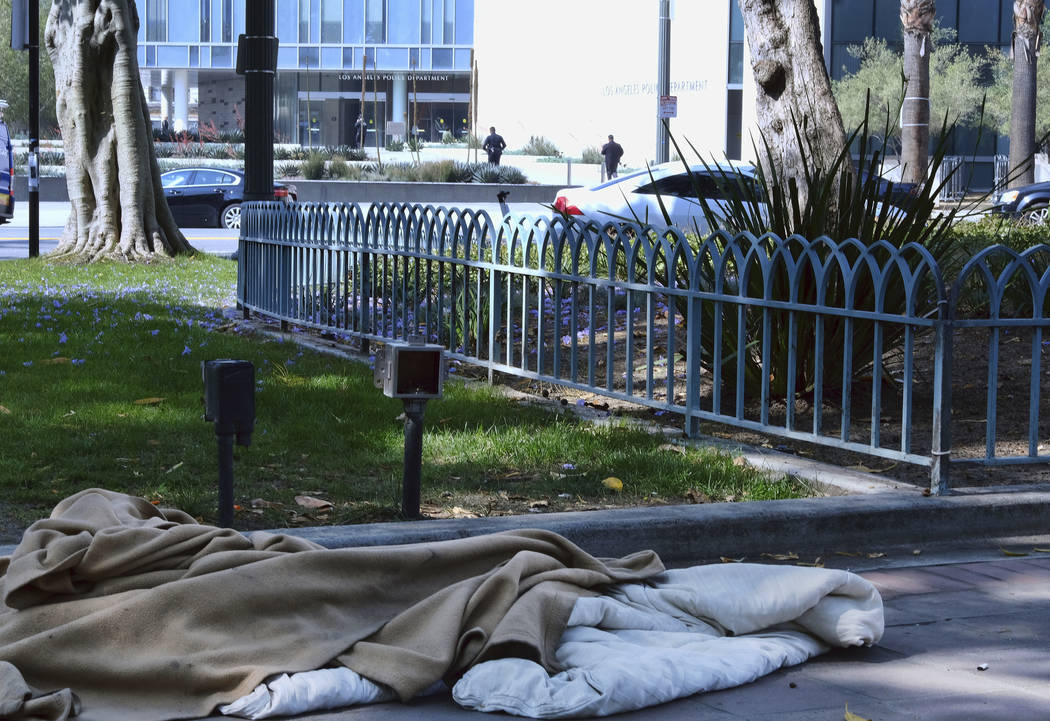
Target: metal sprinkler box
{"x": 410, "y": 370}
{"x": 229, "y": 395}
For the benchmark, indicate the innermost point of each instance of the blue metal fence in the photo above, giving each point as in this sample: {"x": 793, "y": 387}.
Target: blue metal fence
{"x": 838, "y": 344}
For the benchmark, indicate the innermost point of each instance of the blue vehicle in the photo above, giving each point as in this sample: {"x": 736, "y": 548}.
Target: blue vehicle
{"x": 7, "y": 171}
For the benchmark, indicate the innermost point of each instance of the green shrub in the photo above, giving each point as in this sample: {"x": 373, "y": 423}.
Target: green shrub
{"x": 447, "y": 138}
{"x": 287, "y": 169}
{"x": 440, "y": 171}
{"x": 400, "y": 172}
{"x": 338, "y": 168}
{"x": 313, "y": 167}
{"x": 414, "y": 144}
{"x": 395, "y": 145}
{"x": 511, "y": 175}
{"x": 592, "y": 155}
{"x": 539, "y": 145}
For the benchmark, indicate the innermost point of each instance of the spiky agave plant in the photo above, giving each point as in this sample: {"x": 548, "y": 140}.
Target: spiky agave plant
{"x": 846, "y": 216}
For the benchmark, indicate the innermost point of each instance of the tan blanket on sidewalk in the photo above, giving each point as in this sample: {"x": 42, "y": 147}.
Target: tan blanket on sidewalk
{"x": 145, "y": 614}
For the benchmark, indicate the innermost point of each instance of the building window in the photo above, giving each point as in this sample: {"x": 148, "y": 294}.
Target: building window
{"x": 304, "y": 21}
{"x": 205, "y": 11}
{"x": 353, "y": 21}
{"x": 227, "y": 21}
{"x": 331, "y": 17}
{"x": 182, "y": 23}
{"x": 156, "y": 21}
{"x": 464, "y": 22}
{"x": 450, "y": 22}
{"x": 442, "y": 59}
{"x": 308, "y": 58}
{"x": 404, "y": 22}
{"x": 736, "y": 44}
{"x": 375, "y": 21}
{"x": 287, "y": 30}
{"x": 426, "y": 22}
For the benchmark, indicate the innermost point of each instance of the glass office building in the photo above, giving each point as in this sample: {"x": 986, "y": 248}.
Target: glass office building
{"x": 402, "y": 65}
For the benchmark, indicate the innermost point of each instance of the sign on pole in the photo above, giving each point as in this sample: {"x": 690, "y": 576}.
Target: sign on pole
{"x": 668, "y": 106}
{"x": 19, "y": 25}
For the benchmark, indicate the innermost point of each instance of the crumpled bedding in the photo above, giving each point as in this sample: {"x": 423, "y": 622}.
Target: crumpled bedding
{"x": 129, "y": 612}
{"x": 683, "y": 632}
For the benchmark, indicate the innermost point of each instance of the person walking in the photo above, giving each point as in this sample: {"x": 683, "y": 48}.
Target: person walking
{"x": 494, "y": 146}
{"x": 612, "y": 151}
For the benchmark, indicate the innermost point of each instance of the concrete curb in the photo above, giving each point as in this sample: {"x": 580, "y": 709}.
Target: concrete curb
{"x": 684, "y": 535}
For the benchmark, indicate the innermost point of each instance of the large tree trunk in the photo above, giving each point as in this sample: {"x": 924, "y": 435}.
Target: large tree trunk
{"x": 1025, "y": 49}
{"x": 793, "y": 88}
{"x": 118, "y": 207}
{"x": 917, "y": 18}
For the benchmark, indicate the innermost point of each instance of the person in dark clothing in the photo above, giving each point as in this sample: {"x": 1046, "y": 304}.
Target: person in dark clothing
{"x": 359, "y": 132}
{"x": 612, "y": 151}
{"x": 494, "y": 146}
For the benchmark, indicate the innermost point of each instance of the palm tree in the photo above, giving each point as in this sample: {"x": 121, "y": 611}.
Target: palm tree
{"x": 917, "y": 23}
{"x": 1024, "y": 48}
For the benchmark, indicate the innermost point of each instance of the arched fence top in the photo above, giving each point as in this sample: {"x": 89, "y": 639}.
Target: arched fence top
{"x": 997, "y": 271}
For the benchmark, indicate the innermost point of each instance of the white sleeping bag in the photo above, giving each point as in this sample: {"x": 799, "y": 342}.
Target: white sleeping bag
{"x": 683, "y": 632}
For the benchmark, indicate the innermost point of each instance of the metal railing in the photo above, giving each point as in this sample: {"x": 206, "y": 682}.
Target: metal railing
{"x": 844, "y": 345}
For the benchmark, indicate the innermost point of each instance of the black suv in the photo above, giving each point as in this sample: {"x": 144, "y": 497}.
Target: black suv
{"x": 1029, "y": 204}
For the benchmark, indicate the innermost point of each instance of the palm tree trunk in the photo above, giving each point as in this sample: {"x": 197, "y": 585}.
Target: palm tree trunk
{"x": 917, "y": 22}
{"x": 1024, "y": 47}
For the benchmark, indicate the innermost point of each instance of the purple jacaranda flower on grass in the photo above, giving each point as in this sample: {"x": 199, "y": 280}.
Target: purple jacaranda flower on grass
{"x": 28, "y": 364}
{"x": 62, "y": 338}
{"x": 580, "y": 402}
{"x": 186, "y": 350}
{"x": 78, "y": 361}
{"x": 568, "y": 466}
{"x": 154, "y": 332}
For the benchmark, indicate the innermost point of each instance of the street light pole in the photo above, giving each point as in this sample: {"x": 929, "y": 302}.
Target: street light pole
{"x": 257, "y": 61}
{"x": 33, "y": 10}
{"x": 663, "y": 78}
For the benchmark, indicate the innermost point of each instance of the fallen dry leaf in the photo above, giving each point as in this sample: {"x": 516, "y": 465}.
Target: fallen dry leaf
{"x": 1041, "y": 550}
{"x": 311, "y": 502}
{"x": 1012, "y": 553}
{"x": 54, "y": 361}
{"x": 854, "y": 717}
{"x": 175, "y": 467}
{"x": 613, "y": 484}
{"x": 877, "y": 554}
{"x": 5, "y": 411}
{"x": 789, "y": 556}
{"x": 263, "y": 503}
{"x": 148, "y": 401}
{"x": 670, "y": 447}
{"x": 727, "y": 559}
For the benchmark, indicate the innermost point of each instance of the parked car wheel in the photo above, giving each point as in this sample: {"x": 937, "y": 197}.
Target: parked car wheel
{"x": 1036, "y": 215}
{"x": 231, "y": 217}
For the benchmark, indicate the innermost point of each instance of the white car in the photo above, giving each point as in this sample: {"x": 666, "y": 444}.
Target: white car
{"x": 636, "y": 196}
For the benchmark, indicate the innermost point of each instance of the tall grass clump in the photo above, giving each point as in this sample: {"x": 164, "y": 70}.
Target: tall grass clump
{"x": 314, "y": 166}
{"x": 539, "y": 145}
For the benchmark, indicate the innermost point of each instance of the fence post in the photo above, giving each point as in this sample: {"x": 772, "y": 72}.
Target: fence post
{"x": 942, "y": 401}
{"x": 692, "y": 367}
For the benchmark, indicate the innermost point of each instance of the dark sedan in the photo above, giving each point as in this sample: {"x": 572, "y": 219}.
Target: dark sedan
{"x": 1029, "y": 204}
{"x": 210, "y": 197}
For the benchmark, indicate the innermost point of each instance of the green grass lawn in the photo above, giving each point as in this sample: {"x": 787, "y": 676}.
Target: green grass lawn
{"x": 100, "y": 386}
